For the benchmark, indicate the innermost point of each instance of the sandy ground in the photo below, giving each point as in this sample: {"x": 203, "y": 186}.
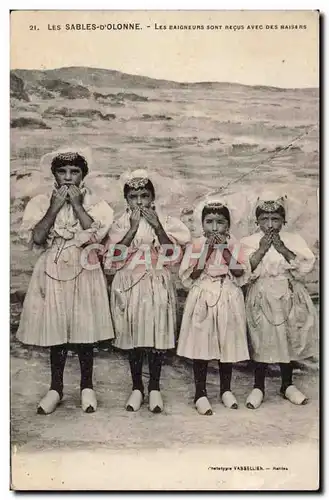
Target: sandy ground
{"x": 115, "y": 449}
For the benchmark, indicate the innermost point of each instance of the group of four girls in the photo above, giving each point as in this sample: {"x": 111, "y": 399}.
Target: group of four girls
{"x": 67, "y": 303}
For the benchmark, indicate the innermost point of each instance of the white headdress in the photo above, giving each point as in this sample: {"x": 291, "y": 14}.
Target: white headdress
{"x": 135, "y": 179}
{"x": 169, "y": 194}
{"x": 45, "y": 162}
{"x": 235, "y": 203}
{"x": 300, "y": 205}
{"x": 270, "y": 202}
{"x": 41, "y": 180}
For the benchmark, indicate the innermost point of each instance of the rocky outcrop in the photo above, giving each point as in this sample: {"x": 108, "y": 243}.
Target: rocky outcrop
{"x": 65, "y": 89}
{"x": 28, "y": 122}
{"x": 78, "y": 113}
{"x": 17, "y": 88}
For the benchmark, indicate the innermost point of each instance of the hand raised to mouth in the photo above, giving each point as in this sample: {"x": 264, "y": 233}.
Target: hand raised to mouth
{"x": 151, "y": 217}
{"x": 74, "y": 195}
{"x": 135, "y": 218}
{"x": 59, "y": 197}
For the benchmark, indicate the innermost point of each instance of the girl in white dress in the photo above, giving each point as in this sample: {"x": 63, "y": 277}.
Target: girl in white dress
{"x": 66, "y": 303}
{"x": 214, "y": 322}
{"x": 281, "y": 317}
{"x": 143, "y": 301}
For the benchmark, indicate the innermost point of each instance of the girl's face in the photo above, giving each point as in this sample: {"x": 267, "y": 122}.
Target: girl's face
{"x": 273, "y": 221}
{"x": 141, "y": 198}
{"x": 215, "y": 223}
{"x": 68, "y": 175}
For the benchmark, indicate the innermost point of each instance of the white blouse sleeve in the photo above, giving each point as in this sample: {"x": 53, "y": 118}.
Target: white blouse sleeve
{"x": 176, "y": 231}
{"x": 35, "y": 210}
{"x": 102, "y": 215}
{"x": 178, "y": 234}
{"x": 118, "y": 230}
{"x": 249, "y": 245}
{"x": 191, "y": 256}
{"x": 304, "y": 260}
{"x": 241, "y": 255}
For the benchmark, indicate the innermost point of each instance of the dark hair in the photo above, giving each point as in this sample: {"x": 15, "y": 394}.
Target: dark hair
{"x": 73, "y": 159}
{"x": 149, "y": 186}
{"x": 280, "y": 210}
{"x": 219, "y": 210}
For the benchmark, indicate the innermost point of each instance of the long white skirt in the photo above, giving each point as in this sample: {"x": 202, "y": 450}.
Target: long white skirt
{"x": 57, "y": 312}
{"x": 282, "y": 321}
{"x": 214, "y": 323}
{"x": 144, "y": 310}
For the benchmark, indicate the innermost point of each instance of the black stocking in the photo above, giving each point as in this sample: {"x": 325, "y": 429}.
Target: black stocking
{"x": 58, "y": 354}
{"x": 136, "y": 368}
{"x": 225, "y": 374}
{"x": 155, "y": 359}
{"x": 260, "y": 374}
{"x": 86, "y": 359}
{"x": 200, "y": 367}
{"x": 286, "y": 376}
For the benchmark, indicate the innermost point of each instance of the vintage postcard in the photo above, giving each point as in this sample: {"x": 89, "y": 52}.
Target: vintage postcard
{"x": 164, "y": 250}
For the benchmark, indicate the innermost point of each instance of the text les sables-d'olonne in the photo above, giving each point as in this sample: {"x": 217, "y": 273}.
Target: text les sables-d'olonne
{"x": 95, "y": 27}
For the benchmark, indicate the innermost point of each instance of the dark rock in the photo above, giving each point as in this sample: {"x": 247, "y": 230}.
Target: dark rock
{"x": 17, "y": 88}
{"x": 78, "y": 113}
{"x": 41, "y": 92}
{"x": 98, "y": 95}
{"x": 130, "y": 96}
{"x": 28, "y": 122}
{"x": 111, "y": 99}
{"x": 65, "y": 89}
{"x": 21, "y": 176}
{"x": 109, "y": 116}
{"x": 147, "y": 117}
{"x": 213, "y": 139}
{"x": 121, "y": 96}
